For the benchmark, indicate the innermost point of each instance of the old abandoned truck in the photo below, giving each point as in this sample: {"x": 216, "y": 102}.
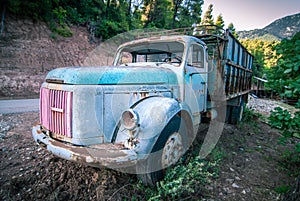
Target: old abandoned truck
{"x": 140, "y": 114}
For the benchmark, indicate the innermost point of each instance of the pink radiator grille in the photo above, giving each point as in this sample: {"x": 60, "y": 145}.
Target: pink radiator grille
{"x": 56, "y": 111}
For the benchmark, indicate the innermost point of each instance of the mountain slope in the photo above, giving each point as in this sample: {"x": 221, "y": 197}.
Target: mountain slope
{"x": 282, "y": 28}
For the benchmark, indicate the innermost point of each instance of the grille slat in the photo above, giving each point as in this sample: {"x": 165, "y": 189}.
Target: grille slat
{"x": 56, "y": 111}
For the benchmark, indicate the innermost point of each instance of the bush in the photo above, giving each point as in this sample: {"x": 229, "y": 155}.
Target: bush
{"x": 290, "y": 126}
{"x": 64, "y": 31}
{"x": 108, "y": 28}
{"x": 284, "y": 121}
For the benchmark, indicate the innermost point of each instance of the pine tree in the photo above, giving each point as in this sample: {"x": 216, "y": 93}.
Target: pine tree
{"x": 208, "y": 17}
{"x": 231, "y": 28}
{"x": 136, "y": 20}
{"x": 189, "y": 13}
{"x": 220, "y": 22}
{"x": 196, "y": 11}
{"x": 176, "y": 9}
{"x": 157, "y": 13}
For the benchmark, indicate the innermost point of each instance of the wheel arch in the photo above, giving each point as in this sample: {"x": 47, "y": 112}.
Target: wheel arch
{"x": 186, "y": 116}
{"x": 155, "y": 113}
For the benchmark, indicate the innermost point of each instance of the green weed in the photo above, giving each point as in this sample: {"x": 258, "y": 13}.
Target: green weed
{"x": 249, "y": 115}
{"x": 282, "y": 189}
{"x": 186, "y": 179}
{"x": 64, "y": 31}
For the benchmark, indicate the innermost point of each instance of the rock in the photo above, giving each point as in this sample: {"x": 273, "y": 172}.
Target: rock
{"x": 234, "y": 185}
{"x": 230, "y": 180}
{"x": 227, "y": 190}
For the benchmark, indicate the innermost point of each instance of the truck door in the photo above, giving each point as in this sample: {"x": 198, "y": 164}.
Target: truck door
{"x": 196, "y": 79}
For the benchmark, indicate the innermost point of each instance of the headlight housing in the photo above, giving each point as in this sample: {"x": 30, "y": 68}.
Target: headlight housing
{"x": 130, "y": 119}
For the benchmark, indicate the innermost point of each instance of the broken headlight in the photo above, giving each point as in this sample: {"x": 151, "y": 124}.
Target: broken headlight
{"x": 130, "y": 119}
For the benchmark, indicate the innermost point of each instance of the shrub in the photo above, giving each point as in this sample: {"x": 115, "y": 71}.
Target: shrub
{"x": 284, "y": 121}
{"x": 290, "y": 126}
{"x": 64, "y": 31}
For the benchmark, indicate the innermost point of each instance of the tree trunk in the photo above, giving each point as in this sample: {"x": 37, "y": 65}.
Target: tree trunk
{"x": 107, "y": 9}
{"x": 3, "y": 17}
{"x": 176, "y": 7}
{"x": 129, "y": 13}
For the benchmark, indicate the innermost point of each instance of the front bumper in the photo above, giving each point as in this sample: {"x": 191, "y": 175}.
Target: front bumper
{"x": 108, "y": 155}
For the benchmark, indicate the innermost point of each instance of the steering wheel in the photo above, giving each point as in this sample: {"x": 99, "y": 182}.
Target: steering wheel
{"x": 172, "y": 59}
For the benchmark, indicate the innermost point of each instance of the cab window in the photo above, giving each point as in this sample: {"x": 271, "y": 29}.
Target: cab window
{"x": 196, "y": 56}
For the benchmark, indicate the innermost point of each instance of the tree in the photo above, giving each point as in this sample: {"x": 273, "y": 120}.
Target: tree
{"x": 208, "y": 17}
{"x": 220, "y": 22}
{"x": 106, "y": 18}
{"x": 157, "y": 13}
{"x": 115, "y": 20}
{"x": 264, "y": 54}
{"x": 285, "y": 76}
{"x": 176, "y": 8}
{"x": 231, "y": 28}
{"x": 36, "y": 10}
{"x": 189, "y": 13}
{"x": 136, "y": 19}
{"x": 195, "y": 11}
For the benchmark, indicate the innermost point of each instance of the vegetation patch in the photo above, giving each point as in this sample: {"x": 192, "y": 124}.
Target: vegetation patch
{"x": 187, "y": 180}
{"x": 64, "y": 31}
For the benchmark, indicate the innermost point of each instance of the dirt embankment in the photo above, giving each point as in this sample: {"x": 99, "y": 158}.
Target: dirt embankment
{"x": 28, "y": 50}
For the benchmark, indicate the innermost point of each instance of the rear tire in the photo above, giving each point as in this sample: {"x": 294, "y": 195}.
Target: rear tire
{"x": 169, "y": 148}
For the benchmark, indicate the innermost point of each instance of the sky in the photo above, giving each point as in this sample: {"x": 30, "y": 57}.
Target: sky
{"x": 251, "y": 14}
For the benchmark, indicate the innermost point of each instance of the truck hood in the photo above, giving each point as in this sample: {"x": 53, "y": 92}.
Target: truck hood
{"x": 112, "y": 75}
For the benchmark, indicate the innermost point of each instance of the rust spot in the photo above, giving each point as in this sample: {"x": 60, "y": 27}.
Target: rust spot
{"x": 144, "y": 94}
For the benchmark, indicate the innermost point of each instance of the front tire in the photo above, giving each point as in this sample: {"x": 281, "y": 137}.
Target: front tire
{"x": 169, "y": 148}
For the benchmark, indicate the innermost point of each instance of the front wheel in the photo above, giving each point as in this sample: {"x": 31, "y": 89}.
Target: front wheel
{"x": 169, "y": 148}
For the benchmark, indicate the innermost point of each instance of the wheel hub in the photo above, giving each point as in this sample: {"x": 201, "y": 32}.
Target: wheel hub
{"x": 172, "y": 150}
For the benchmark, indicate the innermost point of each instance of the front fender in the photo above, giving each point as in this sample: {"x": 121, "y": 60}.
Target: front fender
{"x": 154, "y": 114}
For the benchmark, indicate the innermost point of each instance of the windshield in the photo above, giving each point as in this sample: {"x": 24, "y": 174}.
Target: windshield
{"x": 170, "y": 52}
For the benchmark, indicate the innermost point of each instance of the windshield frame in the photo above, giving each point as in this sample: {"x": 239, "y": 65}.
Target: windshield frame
{"x": 169, "y": 52}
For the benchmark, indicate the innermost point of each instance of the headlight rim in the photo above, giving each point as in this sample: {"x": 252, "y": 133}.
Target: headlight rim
{"x": 133, "y": 121}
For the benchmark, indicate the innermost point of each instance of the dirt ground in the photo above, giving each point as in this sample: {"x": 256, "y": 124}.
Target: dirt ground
{"x": 250, "y": 168}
